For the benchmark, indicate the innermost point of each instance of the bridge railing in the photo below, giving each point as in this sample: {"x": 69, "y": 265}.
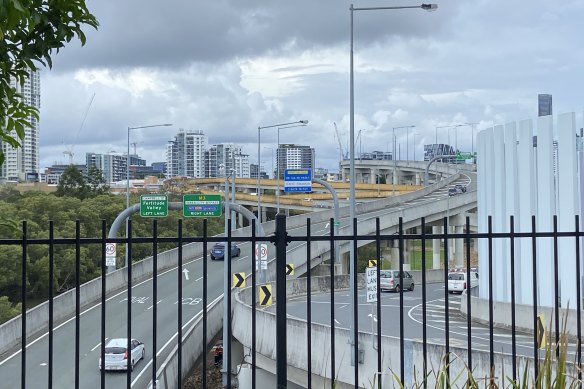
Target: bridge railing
{"x": 267, "y": 337}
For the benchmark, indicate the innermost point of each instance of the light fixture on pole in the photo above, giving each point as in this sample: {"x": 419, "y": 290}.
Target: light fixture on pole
{"x": 394, "y": 177}
{"x": 272, "y": 153}
{"x": 128, "y": 158}
{"x": 278, "y": 167}
{"x": 128, "y": 171}
{"x": 352, "y": 205}
{"x": 259, "y": 192}
{"x": 415, "y": 134}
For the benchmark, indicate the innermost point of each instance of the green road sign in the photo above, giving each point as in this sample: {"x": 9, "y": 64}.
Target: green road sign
{"x": 153, "y": 205}
{"x": 200, "y": 205}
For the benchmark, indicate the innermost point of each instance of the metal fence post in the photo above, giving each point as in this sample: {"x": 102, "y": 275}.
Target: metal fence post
{"x": 280, "y": 240}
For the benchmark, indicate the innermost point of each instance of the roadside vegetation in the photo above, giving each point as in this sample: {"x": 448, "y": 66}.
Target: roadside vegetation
{"x": 87, "y": 202}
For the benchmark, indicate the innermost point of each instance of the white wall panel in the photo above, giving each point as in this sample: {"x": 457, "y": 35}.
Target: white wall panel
{"x": 512, "y": 198}
{"x": 546, "y": 209}
{"x": 482, "y": 174}
{"x": 527, "y": 189}
{"x": 500, "y": 223}
{"x": 568, "y": 205}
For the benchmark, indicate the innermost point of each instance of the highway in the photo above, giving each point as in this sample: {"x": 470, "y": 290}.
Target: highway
{"x": 142, "y": 303}
{"x": 413, "y": 318}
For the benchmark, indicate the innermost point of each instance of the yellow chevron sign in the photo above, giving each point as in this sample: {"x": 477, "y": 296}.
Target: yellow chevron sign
{"x": 289, "y": 269}
{"x": 266, "y": 295}
{"x": 372, "y": 263}
{"x": 239, "y": 280}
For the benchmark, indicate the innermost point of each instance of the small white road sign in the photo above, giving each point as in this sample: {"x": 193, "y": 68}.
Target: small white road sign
{"x": 371, "y": 275}
{"x": 110, "y": 254}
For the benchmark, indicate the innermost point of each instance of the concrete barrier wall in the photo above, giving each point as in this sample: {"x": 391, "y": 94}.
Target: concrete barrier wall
{"x": 412, "y": 353}
{"x": 523, "y": 316}
{"x": 37, "y": 318}
{"x": 192, "y": 347}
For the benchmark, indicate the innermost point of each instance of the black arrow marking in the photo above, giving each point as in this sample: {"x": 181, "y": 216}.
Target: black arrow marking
{"x": 240, "y": 279}
{"x": 289, "y": 269}
{"x": 267, "y": 294}
{"x": 540, "y": 332}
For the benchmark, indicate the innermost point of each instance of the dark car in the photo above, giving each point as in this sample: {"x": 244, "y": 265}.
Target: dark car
{"x": 456, "y": 190}
{"x": 218, "y": 251}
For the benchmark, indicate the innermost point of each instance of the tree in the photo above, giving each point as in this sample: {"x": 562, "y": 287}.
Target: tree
{"x": 30, "y": 31}
{"x": 96, "y": 181}
{"x": 72, "y": 184}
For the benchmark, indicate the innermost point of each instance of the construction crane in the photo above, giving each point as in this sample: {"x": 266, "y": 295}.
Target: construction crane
{"x": 69, "y": 149}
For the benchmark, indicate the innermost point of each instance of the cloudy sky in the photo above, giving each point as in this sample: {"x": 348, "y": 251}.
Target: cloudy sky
{"x": 227, "y": 67}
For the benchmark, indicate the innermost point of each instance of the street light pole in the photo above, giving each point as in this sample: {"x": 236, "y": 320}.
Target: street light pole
{"x": 259, "y": 162}
{"x": 128, "y": 172}
{"x": 415, "y": 145}
{"x": 394, "y": 179}
{"x": 128, "y": 158}
{"x": 278, "y": 162}
{"x": 352, "y": 203}
{"x": 272, "y": 152}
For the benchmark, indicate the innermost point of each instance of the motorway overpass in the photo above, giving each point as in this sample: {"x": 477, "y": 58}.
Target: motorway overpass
{"x": 115, "y": 307}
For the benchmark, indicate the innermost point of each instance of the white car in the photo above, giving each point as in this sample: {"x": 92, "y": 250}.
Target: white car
{"x": 117, "y": 356}
{"x": 457, "y": 281}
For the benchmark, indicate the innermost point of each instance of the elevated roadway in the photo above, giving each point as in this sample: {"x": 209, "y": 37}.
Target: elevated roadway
{"x": 37, "y": 355}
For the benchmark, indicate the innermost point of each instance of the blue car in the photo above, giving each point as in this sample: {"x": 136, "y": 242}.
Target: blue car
{"x": 218, "y": 251}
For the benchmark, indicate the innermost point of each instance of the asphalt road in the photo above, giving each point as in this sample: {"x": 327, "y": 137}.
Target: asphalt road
{"x": 436, "y": 319}
{"x": 142, "y": 304}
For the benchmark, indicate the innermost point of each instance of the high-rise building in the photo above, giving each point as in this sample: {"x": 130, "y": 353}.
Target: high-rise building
{"x": 185, "y": 154}
{"x": 112, "y": 165}
{"x": 228, "y": 155}
{"x": 23, "y": 163}
{"x": 544, "y": 105}
{"x": 290, "y": 156}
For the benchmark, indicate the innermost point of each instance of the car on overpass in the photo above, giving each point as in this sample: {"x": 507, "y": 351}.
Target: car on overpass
{"x": 218, "y": 251}
{"x": 391, "y": 280}
{"x": 456, "y": 189}
{"x": 117, "y": 356}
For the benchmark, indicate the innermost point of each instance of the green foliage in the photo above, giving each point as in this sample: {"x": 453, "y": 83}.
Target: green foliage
{"x": 72, "y": 183}
{"x": 7, "y": 309}
{"x": 39, "y": 208}
{"x": 30, "y": 32}
{"x": 96, "y": 181}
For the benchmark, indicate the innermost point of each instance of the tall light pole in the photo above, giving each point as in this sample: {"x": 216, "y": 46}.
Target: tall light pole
{"x": 259, "y": 162}
{"x": 352, "y": 213}
{"x": 272, "y": 153}
{"x": 128, "y": 173}
{"x": 278, "y": 162}
{"x": 415, "y": 134}
{"x": 128, "y": 158}
{"x": 394, "y": 177}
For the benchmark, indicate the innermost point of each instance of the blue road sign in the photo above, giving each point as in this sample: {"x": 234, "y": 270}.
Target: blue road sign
{"x": 297, "y": 180}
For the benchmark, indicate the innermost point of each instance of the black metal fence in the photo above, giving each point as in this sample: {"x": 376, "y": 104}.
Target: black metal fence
{"x": 280, "y": 239}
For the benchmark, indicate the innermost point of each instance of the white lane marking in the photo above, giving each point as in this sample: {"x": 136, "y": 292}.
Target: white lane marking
{"x": 150, "y": 307}
{"x": 89, "y": 309}
{"x": 198, "y": 279}
{"x": 163, "y": 347}
{"x": 338, "y": 322}
{"x": 242, "y": 258}
{"x": 97, "y": 345}
{"x": 44, "y": 364}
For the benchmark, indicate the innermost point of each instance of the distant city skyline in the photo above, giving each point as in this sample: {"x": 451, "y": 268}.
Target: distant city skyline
{"x": 254, "y": 64}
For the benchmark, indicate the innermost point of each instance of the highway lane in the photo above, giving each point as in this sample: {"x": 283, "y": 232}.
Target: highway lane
{"x": 116, "y": 313}
{"x": 413, "y": 320}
